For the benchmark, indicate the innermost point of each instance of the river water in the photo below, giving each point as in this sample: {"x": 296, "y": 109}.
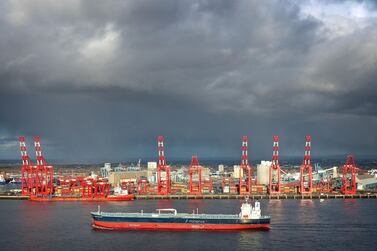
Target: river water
{"x": 295, "y": 225}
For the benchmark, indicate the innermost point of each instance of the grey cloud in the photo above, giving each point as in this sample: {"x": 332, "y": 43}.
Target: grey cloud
{"x": 101, "y": 79}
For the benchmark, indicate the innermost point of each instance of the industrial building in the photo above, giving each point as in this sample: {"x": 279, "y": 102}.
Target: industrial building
{"x": 116, "y": 178}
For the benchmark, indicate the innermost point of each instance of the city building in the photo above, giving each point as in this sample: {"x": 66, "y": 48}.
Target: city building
{"x": 236, "y": 172}
{"x": 221, "y": 168}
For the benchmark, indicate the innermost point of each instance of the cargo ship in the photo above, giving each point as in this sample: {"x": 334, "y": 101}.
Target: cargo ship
{"x": 168, "y": 219}
{"x": 72, "y": 198}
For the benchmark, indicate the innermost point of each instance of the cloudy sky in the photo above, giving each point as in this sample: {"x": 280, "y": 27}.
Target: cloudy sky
{"x": 99, "y": 80}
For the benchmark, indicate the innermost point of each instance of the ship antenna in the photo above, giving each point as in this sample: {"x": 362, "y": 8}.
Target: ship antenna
{"x": 99, "y": 208}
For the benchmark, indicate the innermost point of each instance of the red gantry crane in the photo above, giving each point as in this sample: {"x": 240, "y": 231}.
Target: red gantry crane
{"x": 274, "y": 182}
{"x": 349, "y": 171}
{"x": 143, "y": 186}
{"x": 245, "y": 169}
{"x": 306, "y": 175}
{"x": 163, "y": 183}
{"x": 44, "y": 173}
{"x": 228, "y": 185}
{"x": 28, "y": 170}
{"x": 195, "y": 176}
{"x": 207, "y": 185}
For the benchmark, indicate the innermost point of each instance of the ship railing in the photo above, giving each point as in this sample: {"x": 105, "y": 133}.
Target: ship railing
{"x": 210, "y": 216}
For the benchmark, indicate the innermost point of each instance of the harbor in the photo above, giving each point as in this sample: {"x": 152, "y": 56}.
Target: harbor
{"x": 188, "y": 125}
{"x": 158, "y": 180}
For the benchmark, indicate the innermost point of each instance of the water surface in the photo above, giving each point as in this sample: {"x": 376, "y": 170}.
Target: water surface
{"x": 295, "y": 225}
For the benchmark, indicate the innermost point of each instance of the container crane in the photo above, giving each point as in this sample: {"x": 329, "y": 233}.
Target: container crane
{"x": 28, "y": 170}
{"x": 163, "y": 183}
{"x": 44, "y": 173}
{"x": 274, "y": 182}
{"x": 195, "y": 171}
{"x": 245, "y": 169}
{"x": 306, "y": 169}
{"x": 349, "y": 171}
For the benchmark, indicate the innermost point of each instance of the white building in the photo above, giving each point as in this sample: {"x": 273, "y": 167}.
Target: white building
{"x": 152, "y": 165}
{"x": 105, "y": 170}
{"x": 263, "y": 172}
{"x": 221, "y": 168}
{"x": 151, "y": 171}
{"x": 236, "y": 172}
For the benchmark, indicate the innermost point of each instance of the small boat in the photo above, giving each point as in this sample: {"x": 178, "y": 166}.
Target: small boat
{"x": 2, "y": 180}
{"x": 15, "y": 181}
{"x": 168, "y": 219}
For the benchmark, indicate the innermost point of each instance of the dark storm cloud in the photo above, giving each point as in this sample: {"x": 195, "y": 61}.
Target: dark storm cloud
{"x": 98, "y": 80}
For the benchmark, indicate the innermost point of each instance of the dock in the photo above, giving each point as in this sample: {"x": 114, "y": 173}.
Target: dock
{"x": 13, "y": 197}
{"x": 255, "y": 196}
{"x": 231, "y": 197}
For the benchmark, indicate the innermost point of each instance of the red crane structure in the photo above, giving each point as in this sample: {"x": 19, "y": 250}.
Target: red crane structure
{"x": 130, "y": 185}
{"x": 37, "y": 180}
{"x": 274, "y": 182}
{"x": 68, "y": 184}
{"x": 207, "y": 185}
{"x": 143, "y": 186}
{"x": 195, "y": 176}
{"x": 163, "y": 183}
{"x": 44, "y": 173}
{"x": 27, "y": 170}
{"x": 349, "y": 171}
{"x": 306, "y": 174}
{"x": 94, "y": 187}
{"x": 228, "y": 185}
{"x": 245, "y": 169}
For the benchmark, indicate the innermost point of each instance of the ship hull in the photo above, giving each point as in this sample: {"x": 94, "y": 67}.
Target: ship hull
{"x": 108, "y": 198}
{"x": 199, "y": 222}
{"x": 175, "y": 226}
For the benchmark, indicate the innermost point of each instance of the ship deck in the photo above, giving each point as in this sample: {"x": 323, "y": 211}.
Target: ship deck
{"x": 164, "y": 215}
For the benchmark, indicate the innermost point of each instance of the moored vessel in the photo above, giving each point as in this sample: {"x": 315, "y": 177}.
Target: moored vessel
{"x": 168, "y": 219}
{"x": 125, "y": 197}
{"x": 15, "y": 181}
{"x": 2, "y": 180}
